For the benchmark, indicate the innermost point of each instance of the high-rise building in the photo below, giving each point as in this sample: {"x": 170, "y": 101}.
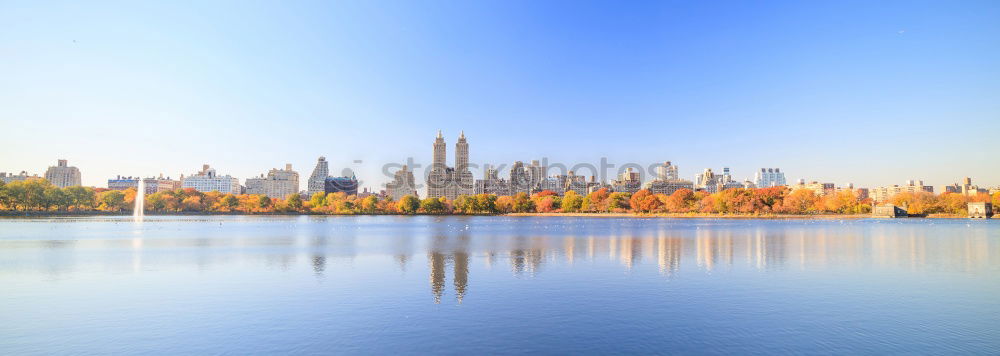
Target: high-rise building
{"x": 708, "y": 181}
{"x": 881, "y": 194}
{"x": 207, "y": 180}
{"x": 463, "y": 176}
{"x": 668, "y": 180}
{"x": 448, "y": 182}
{"x": 965, "y": 188}
{"x": 573, "y": 182}
{"x": 279, "y": 183}
{"x": 62, "y": 175}
{"x": 161, "y": 184}
{"x": 318, "y": 177}
{"x": 769, "y": 177}
{"x": 492, "y": 183}
{"x": 347, "y": 185}
{"x": 122, "y": 183}
{"x": 152, "y": 184}
{"x": 713, "y": 183}
{"x": 402, "y": 184}
{"x": 628, "y": 181}
{"x": 520, "y": 179}
{"x": 818, "y": 188}
{"x": 529, "y": 179}
{"x": 667, "y": 172}
{"x": 10, "y": 177}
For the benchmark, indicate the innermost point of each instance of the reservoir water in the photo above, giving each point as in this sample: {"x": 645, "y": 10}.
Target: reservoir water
{"x": 497, "y": 285}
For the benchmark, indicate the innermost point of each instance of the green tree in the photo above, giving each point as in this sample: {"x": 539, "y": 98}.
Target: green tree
{"x": 53, "y": 197}
{"x": 408, "y": 204}
{"x": 82, "y": 198}
{"x": 463, "y": 204}
{"x": 229, "y": 202}
{"x": 263, "y": 202}
{"x": 618, "y": 200}
{"x": 112, "y": 200}
{"x": 432, "y": 205}
{"x": 486, "y": 203}
{"x": 4, "y": 196}
{"x": 294, "y": 202}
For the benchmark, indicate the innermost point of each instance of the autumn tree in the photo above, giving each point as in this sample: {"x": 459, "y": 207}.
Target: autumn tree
{"x": 521, "y": 203}
{"x": 317, "y": 200}
{"x": 369, "y": 204}
{"x": 800, "y": 201}
{"x": 596, "y": 200}
{"x": 572, "y": 202}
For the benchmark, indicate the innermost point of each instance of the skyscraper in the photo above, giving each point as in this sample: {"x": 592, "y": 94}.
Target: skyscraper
{"x": 318, "y": 177}
{"x": 667, "y": 172}
{"x": 463, "y": 176}
{"x": 668, "y": 180}
{"x": 62, "y": 175}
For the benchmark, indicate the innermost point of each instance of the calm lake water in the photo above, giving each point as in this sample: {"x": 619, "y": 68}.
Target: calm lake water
{"x": 460, "y": 285}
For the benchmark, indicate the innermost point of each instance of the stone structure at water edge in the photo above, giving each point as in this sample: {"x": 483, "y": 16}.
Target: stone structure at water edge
{"x": 980, "y": 210}
{"x": 888, "y": 211}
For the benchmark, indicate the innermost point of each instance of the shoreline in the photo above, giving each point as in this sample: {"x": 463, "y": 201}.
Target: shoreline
{"x": 573, "y": 215}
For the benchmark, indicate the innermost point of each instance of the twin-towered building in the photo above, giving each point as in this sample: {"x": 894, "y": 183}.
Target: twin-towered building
{"x": 450, "y": 182}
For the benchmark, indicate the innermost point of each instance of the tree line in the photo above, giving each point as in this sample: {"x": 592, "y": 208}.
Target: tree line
{"x": 40, "y": 195}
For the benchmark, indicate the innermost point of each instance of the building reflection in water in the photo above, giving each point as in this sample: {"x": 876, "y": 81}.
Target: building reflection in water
{"x": 438, "y": 261}
{"x": 669, "y": 251}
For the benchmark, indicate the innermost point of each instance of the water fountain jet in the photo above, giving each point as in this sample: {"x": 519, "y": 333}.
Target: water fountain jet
{"x": 140, "y": 201}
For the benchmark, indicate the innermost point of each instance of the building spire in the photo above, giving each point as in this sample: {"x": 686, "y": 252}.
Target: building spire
{"x": 462, "y": 134}
{"x": 439, "y": 134}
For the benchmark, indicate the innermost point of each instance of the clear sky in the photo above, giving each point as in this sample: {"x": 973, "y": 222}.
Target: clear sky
{"x": 869, "y": 92}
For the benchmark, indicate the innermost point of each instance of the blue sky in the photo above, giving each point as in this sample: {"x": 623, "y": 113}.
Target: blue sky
{"x": 867, "y": 92}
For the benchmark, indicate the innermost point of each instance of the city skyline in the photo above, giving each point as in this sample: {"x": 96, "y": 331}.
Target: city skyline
{"x": 871, "y": 94}
{"x": 609, "y": 175}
